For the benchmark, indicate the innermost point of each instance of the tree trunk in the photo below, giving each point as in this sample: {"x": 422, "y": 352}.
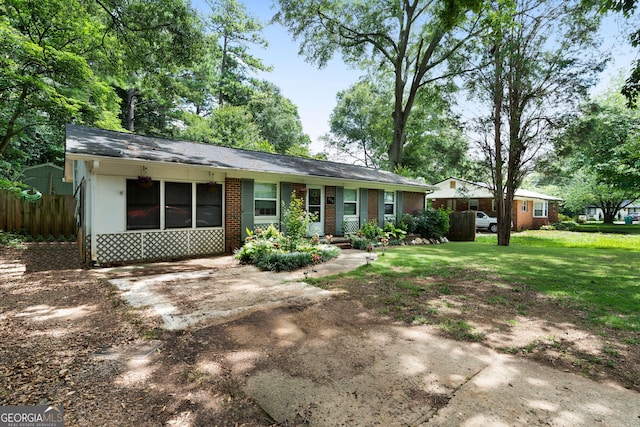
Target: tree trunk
{"x": 10, "y": 130}
{"x": 131, "y": 106}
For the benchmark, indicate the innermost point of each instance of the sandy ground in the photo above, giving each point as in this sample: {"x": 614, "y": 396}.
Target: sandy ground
{"x": 207, "y": 342}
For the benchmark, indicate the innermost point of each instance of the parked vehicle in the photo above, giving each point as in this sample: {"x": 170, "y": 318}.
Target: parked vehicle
{"x": 635, "y": 216}
{"x": 485, "y": 222}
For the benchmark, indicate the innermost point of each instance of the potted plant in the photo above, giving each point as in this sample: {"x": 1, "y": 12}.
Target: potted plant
{"x": 211, "y": 186}
{"x": 145, "y": 181}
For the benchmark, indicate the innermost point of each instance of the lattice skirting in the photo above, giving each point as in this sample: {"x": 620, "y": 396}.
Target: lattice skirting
{"x": 151, "y": 245}
{"x": 351, "y": 226}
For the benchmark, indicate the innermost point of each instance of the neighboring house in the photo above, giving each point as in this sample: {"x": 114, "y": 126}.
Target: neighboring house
{"x": 150, "y": 198}
{"x": 627, "y": 207}
{"x": 47, "y": 179}
{"x": 530, "y": 210}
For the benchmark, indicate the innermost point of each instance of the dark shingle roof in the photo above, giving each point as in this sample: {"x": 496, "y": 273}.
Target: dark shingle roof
{"x": 88, "y": 141}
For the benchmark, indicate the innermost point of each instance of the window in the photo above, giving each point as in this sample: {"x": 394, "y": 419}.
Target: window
{"x": 554, "y": 206}
{"x": 209, "y": 205}
{"x": 524, "y": 206}
{"x": 452, "y": 184}
{"x": 493, "y": 205}
{"x": 350, "y": 201}
{"x": 473, "y": 205}
{"x": 540, "y": 209}
{"x": 177, "y": 204}
{"x": 143, "y": 205}
{"x": 389, "y": 203}
{"x": 266, "y": 199}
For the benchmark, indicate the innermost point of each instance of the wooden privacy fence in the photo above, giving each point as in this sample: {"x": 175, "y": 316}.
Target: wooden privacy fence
{"x": 462, "y": 226}
{"x": 49, "y": 216}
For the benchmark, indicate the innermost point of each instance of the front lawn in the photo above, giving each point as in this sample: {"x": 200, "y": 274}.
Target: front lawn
{"x": 576, "y": 294}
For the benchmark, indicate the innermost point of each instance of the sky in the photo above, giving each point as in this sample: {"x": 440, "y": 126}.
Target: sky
{"x": 314, "y": 90}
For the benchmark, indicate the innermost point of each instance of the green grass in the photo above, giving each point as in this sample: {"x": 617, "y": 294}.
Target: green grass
{"x": 597, "y": 273}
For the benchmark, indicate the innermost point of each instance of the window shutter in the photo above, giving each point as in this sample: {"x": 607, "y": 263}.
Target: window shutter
{"x": 246, "y": 219}
{"x": 339, "y": 209}
{"x": 285, "y": 200}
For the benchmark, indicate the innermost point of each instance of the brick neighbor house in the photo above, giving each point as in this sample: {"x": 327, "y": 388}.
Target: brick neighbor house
{"x": 530, "y": 210}
{"x": 141, "y": 198}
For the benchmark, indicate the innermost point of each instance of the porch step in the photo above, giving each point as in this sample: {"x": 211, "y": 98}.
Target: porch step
{"x": 341, "y": 242}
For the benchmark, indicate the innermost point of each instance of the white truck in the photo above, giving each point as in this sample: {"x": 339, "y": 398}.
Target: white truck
{"x": 485, "y": 222}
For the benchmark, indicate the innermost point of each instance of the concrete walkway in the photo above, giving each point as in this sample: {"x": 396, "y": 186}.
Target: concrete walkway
{"x": 386, "y": 374}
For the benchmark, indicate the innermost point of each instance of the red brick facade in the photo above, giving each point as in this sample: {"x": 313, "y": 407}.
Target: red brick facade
{"x": 372, "y": 205}
{"x": 412, "y": 202}
{"x": 233, "y": 214}
{"x": 330, "y": 211}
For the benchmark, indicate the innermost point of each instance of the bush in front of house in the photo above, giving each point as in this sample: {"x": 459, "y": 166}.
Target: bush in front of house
{"x": 272, "y": 250}
{"x": 428, "y": 223}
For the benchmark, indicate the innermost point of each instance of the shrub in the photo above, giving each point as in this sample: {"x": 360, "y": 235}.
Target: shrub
{"x": 359, "y": 242}
{"x": 370, "y": 230}
{"x": 288, "y": 261}
{"x": 296, "y": 220}
{"x": 431, "y": 223}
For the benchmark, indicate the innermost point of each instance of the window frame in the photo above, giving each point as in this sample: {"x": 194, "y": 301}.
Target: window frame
{"x": 525, "y": 206}
{"x": 258, "y": 218}
{"x": 188, "y": 223}
{"x": 206, "y": 187}
{"x": 355, "y": 202}
{"x": 544, "y": 210}
{"x": 476, "y": 202}
{"x": 393, "y": 205}
{"x": 148, "y": 208}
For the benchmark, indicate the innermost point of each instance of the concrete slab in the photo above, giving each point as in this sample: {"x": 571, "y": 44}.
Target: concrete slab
{"x": 226, "y": 290}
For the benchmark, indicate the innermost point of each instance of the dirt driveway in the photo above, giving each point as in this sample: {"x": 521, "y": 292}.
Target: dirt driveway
{"x": 311, "y": 358}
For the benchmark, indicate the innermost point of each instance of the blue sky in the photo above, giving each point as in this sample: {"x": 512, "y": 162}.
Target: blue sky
{"x": 314, "y": 90}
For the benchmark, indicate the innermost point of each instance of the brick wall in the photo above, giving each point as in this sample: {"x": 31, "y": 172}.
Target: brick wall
{"x": 372, "y": 206}
{"x": 412, "y": 202}
{"x": 330, "y": 212}
{"x": 233, "y": 214}
{"x": 523, "y": 219}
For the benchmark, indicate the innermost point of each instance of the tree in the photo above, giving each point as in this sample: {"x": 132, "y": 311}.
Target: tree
{"x": 631, "y": 89}
{"x": 412, "y": 38}
{"x": 157, "y": 41}
{"x": 361, "y": 128}
{"x": 601, "y": 151}
{"x": 278, "y": 121}
{"x": 539, "y": 64}
{"x": 45, "y": 74}
{"x": 234, "y": 29}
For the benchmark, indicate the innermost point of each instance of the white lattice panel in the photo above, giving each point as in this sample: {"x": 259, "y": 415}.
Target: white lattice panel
{"x": 351, "y": 226}
{"x": 151, "y": 245}
{"x": 204, "y": 242}
{"x": 118, "y": 247}
{"x": 166, "y": 244}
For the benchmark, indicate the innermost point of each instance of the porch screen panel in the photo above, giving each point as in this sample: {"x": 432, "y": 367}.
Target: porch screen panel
{"x": 143, "y": 205}
{"x": 177, "y": 209}
{"x": 209, "y": 205}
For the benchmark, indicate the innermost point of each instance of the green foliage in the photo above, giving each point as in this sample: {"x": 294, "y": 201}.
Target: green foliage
{"x": 270, "y": 249}
{"x": 394, "y": 231}
{"x": 359, "y": 242}
{"x": 296, "y": 220}
{"x": 288, "y": 261}
{"x": 370, "y": 230}
{"x": 429, "y": 224}
{"x": 367, "y": 35}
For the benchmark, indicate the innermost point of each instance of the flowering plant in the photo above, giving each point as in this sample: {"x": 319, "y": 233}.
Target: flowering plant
{"x": 145, "y": 181}
{"x": 211, "y": 185}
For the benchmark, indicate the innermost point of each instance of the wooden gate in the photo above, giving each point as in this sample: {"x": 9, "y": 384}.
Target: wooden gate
{"x": 52, "y": 215}
{"x": 462, "y": 226}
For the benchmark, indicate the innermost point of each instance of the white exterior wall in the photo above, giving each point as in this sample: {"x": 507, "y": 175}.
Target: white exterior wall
{"x": 105, "y": 216}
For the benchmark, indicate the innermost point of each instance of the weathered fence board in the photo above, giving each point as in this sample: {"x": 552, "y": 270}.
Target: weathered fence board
{"x": 52, "y": 215}
{"x": 462, "y": 226}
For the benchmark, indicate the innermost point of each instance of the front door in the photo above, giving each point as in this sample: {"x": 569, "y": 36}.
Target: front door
{"x": 315, "y": 205}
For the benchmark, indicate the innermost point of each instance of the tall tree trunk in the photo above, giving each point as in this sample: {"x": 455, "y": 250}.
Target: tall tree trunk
{"x": 503, "y": 207}
{"x": 131, "y": 107}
